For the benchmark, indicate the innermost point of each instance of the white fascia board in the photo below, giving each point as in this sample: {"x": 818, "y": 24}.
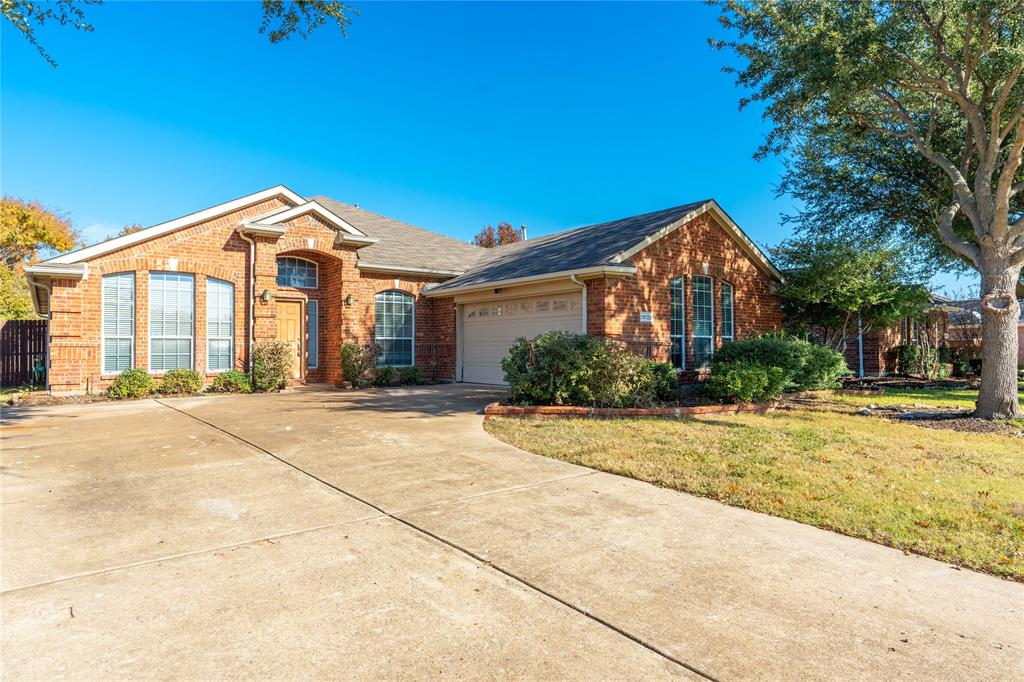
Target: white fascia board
{"x": 406, "y": 269}
{"x": 596, "y": 271}
{"x": 262, "y": 230}
{"x": 310, "y": 207}
{"x": 723, "y": 219}
{"x": 176, "y": 224}
{"x": 356, "y": 239}
{"x": 47, "y": 269}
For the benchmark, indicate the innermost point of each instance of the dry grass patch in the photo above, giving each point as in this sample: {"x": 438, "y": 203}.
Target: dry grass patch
{"x": 953, "y": 496}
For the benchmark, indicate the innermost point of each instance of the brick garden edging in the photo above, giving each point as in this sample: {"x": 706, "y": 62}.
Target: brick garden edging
{"x": 497, "y": 409}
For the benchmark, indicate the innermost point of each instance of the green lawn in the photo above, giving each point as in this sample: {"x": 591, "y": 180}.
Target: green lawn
{"x": 954, "y": 496}
{"x": 937, "y": 397}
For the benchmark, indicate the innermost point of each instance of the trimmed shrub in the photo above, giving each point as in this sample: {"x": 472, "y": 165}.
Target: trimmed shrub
{"x": 180, "y": 382}
{"x": 412, "y": 376}
{"x": 131, "y": 383}
{"x": 823, "y": 368}
{"x": 271, "y": 362}
{"x": 666, "y": 381}
{"x": 805, "y": 366}
{"x": 232, "y": 381}
{"x": 907, "y": 358}
{"x": 385, "y": 376}
{"x": 746, "y": 382}
{"x": 357, "y": 361}
{"x": 559, "y": 368}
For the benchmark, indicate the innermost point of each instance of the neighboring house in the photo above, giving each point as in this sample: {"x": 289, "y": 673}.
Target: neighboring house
{"x": 964, "y": 328}
{"x": 196, "y": 291}
{"x": 871, "y": 353}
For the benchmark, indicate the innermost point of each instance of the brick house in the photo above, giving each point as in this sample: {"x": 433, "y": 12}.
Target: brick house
{"x": 197, "y": 291}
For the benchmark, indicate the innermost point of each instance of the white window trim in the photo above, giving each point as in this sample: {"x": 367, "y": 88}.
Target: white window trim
{"x": 315, "y": 304}
{"x": 149, "y": 318}
{"x": 693, "y": 297}
{"x": 316, "y": 271}
{"x": 230, "y": 339}
{"x": 732, "y": 309}
{"x": 412, "y": 338}
{"x": 104, "y": 337}
{"x": 681, "y": 336}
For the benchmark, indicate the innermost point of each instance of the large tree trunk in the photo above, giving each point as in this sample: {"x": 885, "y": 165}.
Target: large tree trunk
{"x": 1000, "y": 312}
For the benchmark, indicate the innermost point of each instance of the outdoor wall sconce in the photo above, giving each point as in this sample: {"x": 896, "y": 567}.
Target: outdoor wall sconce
{"x": 266, "y": 296}
{"x": 349, "y": 300}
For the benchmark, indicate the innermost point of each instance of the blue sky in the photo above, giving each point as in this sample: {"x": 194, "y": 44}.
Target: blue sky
{"x": 449, "y": 116}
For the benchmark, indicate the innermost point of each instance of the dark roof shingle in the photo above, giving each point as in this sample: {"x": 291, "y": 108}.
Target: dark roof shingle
{"x": 581, "y": 247}
{"x": 404, "y": 245}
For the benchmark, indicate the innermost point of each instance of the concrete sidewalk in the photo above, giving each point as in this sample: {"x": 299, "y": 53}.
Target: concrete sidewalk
{"x": 386, "y": 535}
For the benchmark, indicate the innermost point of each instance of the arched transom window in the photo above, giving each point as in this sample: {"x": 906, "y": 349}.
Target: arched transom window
{"x": 394, "y": 328}
{"x": 296, "y": 272}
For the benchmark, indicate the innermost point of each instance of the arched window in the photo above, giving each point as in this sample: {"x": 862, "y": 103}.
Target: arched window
{"x": 394, "y": 328}
{"x": 296, "y": 272}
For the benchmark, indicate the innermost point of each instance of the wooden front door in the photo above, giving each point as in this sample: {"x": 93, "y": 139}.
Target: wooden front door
{"x": 289, "y": 329}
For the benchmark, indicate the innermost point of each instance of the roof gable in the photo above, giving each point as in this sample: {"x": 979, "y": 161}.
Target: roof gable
{"x": 87, "y": 252}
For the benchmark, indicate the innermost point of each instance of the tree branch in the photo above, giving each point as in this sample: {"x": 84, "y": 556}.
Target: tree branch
{"x": 950, "y": 238}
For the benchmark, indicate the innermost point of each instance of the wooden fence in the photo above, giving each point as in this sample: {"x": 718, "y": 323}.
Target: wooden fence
{"x": 22, "y": 342}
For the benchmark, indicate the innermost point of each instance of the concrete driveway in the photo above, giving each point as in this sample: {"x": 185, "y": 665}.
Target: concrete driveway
{"x": 341, "y": 535}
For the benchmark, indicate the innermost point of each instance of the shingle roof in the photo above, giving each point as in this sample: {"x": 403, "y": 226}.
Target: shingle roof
{"x": 581, "y": 247}
{"x": 404, "y": 245}
{"x": 969, "y": 312}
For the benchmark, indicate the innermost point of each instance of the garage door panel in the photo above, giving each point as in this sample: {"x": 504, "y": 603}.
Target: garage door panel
{"x": 491, "y": 328}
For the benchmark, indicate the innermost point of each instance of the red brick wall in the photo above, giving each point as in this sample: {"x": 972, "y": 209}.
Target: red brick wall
{"x": 614, "y": 305}
{"x": 214, "y": 249}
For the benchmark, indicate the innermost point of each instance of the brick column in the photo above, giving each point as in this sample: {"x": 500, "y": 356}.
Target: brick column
{"x": 265, "y": 315}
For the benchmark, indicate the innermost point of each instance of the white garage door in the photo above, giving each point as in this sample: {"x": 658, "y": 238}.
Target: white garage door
{"x": 490, "y": 328}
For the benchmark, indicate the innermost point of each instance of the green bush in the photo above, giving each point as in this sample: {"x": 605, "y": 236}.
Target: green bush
{"x": 412, "y": 376}
{"x": 271, "y": 363}
{"x": 907, "y": 358}
{"x": 180, "y": 382}
{"x": 232, "y": 381}
{"x": 805, "y": 366}
{"x": 559, "y": 368}
{"x": 385, "y": 376}
{"x": 357, "y": 361}
{"x": 823, "y": 368}
{"x": 744, "y": 381}
{"x": 131, "y": 383}
{"x": 666, "y": 381}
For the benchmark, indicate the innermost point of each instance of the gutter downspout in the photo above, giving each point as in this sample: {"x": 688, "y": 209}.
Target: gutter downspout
{"x": 572, "y": 278}
{"x": 860, "y": 348}
{"x": 252, "y": 291}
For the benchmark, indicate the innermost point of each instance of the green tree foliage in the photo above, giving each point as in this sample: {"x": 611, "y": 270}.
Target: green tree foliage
{"x": 903, "y": 119}
{"x": 489, "y": 236}
{"x": 27, "y": 229}
{"x": 282, "y": 19}
{"x": 831, "y": 284}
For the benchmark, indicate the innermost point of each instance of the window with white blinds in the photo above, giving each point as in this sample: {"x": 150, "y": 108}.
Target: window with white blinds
{"x": 171, "y": 328}
{"x": 728, "y": 323}
{"x": 703, "y": 320}
{"x": 220, "y": 325}
{"x": 677, "y": 321}
{"x": 118, "y": 321}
